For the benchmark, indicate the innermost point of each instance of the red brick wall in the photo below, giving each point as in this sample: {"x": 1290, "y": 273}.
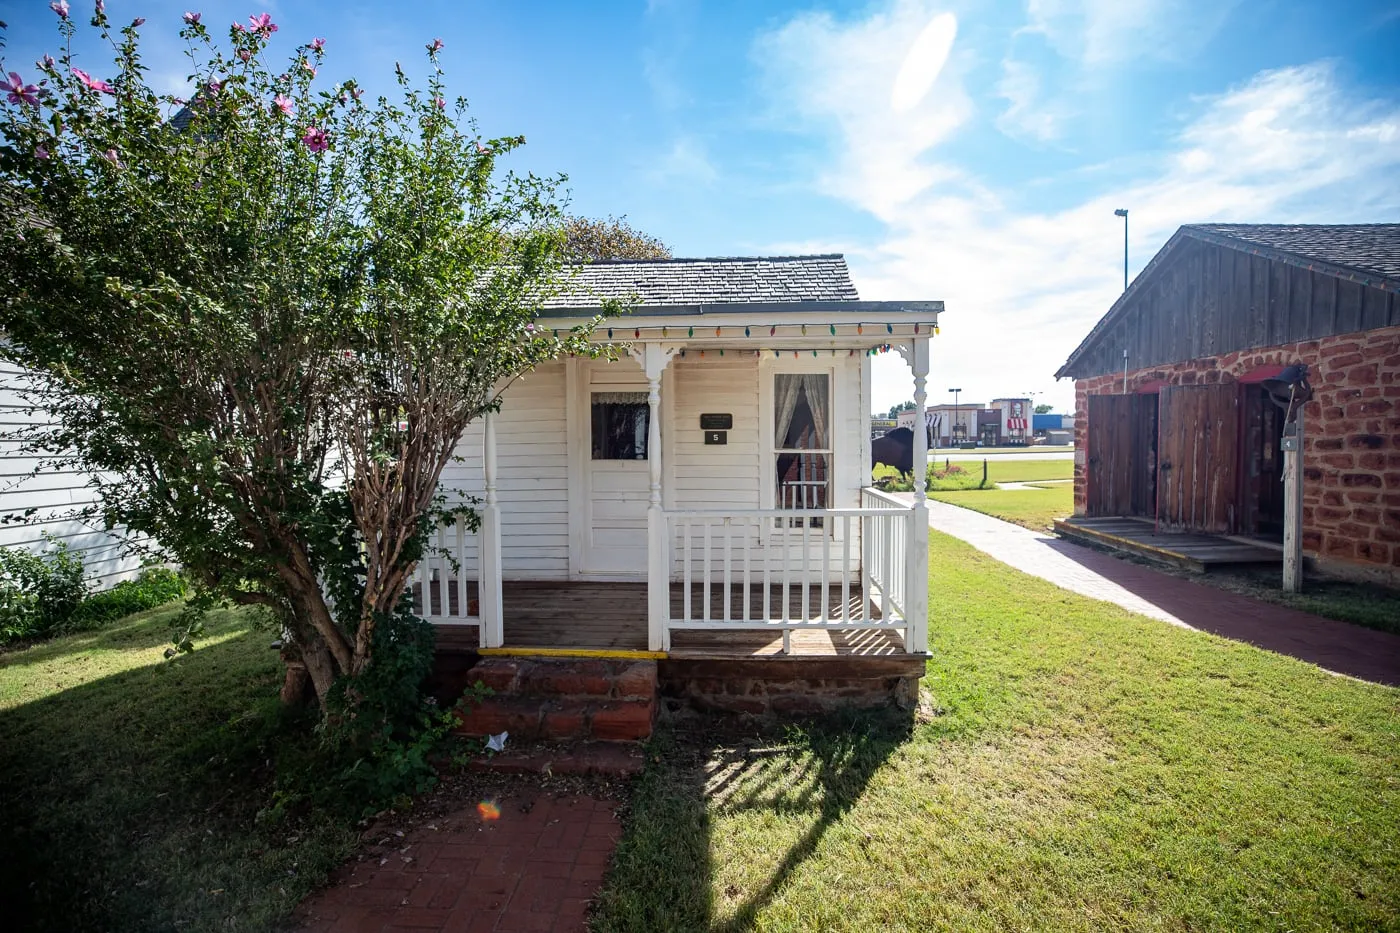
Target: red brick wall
{"x": 1351, "y": 437}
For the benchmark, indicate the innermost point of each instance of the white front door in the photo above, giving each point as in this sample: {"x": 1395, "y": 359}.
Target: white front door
{"x": 616, "y": 473}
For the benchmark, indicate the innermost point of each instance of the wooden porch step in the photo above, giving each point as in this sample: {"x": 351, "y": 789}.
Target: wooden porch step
{"x": 551, "y": 698}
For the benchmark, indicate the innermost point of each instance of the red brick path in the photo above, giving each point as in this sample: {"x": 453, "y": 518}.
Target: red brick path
{"x": 534, "y": 868}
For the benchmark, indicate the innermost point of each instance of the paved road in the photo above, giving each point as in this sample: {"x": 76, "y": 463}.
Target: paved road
{"x": 941, "y": 454}
{"x": 1335, "y": 646}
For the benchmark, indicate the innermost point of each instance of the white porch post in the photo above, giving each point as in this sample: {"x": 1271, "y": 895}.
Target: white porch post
{"x": 658, "y": 550}
{"x": 916, "y": 571}
{"x": 492, "y": 630}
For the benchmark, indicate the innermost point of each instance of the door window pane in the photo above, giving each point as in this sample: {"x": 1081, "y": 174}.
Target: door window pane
{"x": 620, "y": 424}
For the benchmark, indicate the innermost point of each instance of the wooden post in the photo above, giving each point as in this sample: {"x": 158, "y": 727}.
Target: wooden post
{"x": 1293, "y": 506}
{"x": 916, "y": 556}
{"x": 492, "y": 629}
{"x": 658, "y": 549}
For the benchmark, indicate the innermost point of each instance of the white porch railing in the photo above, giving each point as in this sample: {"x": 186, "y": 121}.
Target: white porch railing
{"x": 790, "y": 569}
{"x": 446, "y": 584}
{"x": 885, "y": 549}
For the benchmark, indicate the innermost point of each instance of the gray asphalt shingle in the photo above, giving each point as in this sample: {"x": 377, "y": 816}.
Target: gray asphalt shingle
{"x": 1373, "y": 248}
{"x": 737, "y": 281}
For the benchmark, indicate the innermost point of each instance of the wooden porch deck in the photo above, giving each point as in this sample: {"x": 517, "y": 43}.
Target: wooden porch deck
{"x": 1198, "y": 552}
{"x": 613, "y": 616}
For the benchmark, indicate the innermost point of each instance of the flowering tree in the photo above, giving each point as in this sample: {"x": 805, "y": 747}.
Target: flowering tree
{"x": 264, "y": 315}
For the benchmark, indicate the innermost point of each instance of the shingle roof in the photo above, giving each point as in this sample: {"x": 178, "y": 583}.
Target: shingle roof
{"x": 721, "y": 281}
{"x": 1373, "y": 248}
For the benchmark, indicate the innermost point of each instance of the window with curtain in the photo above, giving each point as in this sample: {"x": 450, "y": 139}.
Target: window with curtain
{"x": 802, "y": 439}
{"x": 620, "y": 424}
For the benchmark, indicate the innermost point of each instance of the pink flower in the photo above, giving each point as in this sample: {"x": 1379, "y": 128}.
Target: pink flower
{"x": 239, "y": 27}
{"x": 40, "y": 152}
{"x": 315, "y": 139}
{"x": 192, "y": 18}
{"x": 482, "y": 149}
{"x": 244, "y": 54}
{"x": 138, "y": 21}
{"x": 101, "y": 6}
{"x": 318, "y": 44}
{"x": 439, "y": 102}
{"x": 91, "y": 83}
{"x": 214, "y": 87}
{"x": 60, "y": 7}
{"x": 262, "y": 23}
{"x": 46, "y": 62}
{"x": 309, "y": 67}
{"x": 283, "y": 103}
{"x": 18, "y": 92}
{"x": 111, "y": 156}
{"x": 435, "y": 46}
{"x": 357, "y": 93}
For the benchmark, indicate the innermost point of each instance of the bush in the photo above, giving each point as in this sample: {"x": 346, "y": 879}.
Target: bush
{"x": 155, "y": 586}
{"x": 38, "y": 592}
{"x": 954, "y": 477}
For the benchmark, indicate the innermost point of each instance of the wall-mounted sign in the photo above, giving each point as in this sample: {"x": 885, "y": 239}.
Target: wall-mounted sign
{"x": 717, "y": 437}
{"x": 717, "y": 422}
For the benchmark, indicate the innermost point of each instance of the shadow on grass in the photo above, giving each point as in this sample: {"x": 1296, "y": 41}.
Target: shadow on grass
{"x": 129, "y": 801}
{"x": 664, "y": 875}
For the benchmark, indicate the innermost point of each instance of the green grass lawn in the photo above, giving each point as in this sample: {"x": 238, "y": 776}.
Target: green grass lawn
{"x": 1017, "y": 471}
{"x": 1034, "y": 508}
{"x": 1027, "y": 451}
{"x": 1083, "y": 769}
{"x": 131, "y": 786}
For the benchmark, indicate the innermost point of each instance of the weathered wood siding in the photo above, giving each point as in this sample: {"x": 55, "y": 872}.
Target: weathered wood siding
{"x": 1206, "y": 300}
{"x": 1198, "y": 458}
{"x": 54, "y": 494}
{"x": 1121, "y": 453}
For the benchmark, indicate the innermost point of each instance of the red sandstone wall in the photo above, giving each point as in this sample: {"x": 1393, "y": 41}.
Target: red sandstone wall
{"x": 1351, "y": 440}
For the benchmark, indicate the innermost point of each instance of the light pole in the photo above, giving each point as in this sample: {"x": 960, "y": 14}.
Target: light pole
{"x": 1123, "y": 212}
{"x": 953, "y": 431}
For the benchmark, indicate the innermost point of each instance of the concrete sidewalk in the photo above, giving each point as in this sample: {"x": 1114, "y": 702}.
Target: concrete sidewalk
{"x": 1339, "y": 647}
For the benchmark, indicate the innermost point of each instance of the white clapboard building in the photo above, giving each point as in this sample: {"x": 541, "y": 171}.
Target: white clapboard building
{"x": 709, "y": 490}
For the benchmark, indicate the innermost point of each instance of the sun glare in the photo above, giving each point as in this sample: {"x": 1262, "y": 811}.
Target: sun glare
{"x": 925, "y": 60}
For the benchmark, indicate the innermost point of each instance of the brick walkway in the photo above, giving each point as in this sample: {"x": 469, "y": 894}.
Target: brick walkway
{"x": 1336, "y": 646}
{"x": 535, "y": 867}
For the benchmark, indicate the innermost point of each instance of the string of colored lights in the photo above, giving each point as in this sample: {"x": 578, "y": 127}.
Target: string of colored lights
{"x": 832, "y": 329}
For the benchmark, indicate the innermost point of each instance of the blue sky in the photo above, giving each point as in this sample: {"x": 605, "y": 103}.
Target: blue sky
{"x": 746, "y": 128}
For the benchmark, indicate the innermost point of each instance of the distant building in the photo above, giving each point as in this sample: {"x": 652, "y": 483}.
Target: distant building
{"x": 1005, "y": 422}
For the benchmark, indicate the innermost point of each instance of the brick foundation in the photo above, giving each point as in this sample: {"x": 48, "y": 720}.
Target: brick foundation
{"x": 1351, "y": 440}
{"x": 787, "y": 686}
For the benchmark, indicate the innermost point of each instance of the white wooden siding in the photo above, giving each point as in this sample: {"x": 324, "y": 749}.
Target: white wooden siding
{"x": 54, "y": 494}
{"x": 531, "y": 477}
{"x": 533, "y": 459}
{"x": 700, "y": 475}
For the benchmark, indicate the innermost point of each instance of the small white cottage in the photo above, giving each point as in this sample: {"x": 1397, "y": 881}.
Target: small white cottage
{"x": 708, "y": 493}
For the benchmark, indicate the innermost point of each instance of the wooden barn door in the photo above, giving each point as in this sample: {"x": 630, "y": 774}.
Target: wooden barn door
{"x": 1198, "y": 456}
{"x": 1110, "y": 455}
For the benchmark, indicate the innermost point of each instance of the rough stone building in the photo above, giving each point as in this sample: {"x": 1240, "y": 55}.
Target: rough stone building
{"x": 1173, "y": 423}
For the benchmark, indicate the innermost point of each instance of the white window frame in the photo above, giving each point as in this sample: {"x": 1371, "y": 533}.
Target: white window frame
{"x": 770, "y": 367}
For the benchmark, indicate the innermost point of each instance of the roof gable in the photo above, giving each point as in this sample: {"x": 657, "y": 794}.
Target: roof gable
{"x": 1366, "y": 255}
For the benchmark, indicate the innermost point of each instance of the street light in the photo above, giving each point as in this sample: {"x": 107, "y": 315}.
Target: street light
{"x": 952, "y": 434}
{"x": 1123, "y": 212}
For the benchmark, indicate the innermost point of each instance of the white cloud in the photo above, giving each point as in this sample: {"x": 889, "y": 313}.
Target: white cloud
{"x": 686, "y": 162}
{"x": 1105, "y": 32}
{"x": 830, "y": 73}
{"x": 1029, "y": 114}
{"x": 1022, "y": 288}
